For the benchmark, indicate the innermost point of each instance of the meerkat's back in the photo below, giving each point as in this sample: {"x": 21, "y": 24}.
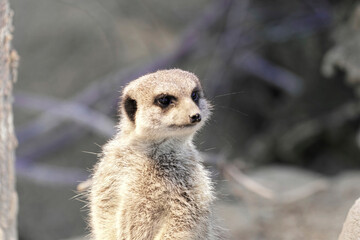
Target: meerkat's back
{"x": 150, "y": 182}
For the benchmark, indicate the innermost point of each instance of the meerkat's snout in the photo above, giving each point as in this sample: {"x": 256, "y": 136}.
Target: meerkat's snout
{"x": 195, "y": 118}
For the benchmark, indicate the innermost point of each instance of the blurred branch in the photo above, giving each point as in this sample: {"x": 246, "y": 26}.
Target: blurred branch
{"x": 305, "y": 131}
{"x": 288, "y": 197}
{"x": 238, "y": 44}
{"x": 295, "y": 140}
{"x": 248, "y": 183}
{"x": 306, "y": 24}
{"x": 62, "y": 110}
{"x": 63, "y": 137}
{"x": 267, "y": 71}
{"x": 225, "y": 47}
{"x": 50, "y": 175}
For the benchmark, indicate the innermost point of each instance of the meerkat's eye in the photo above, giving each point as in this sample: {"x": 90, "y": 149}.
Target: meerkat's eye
{"x": 195, "y": 96}
{"x": 164, "y": 100}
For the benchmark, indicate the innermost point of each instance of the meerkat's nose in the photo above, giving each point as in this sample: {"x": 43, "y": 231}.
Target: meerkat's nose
{"x": 195, "y": 118}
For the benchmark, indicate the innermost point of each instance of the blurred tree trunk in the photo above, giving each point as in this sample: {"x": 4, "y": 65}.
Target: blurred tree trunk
{"x": 8, "y": 67}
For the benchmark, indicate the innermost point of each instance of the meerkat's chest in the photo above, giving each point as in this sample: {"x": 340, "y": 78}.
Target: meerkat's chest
{"x": 168, "y": 176}
{"x": 175, "y": 170}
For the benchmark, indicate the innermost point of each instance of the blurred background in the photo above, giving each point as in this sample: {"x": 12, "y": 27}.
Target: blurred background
{"x": 283, "y": 143}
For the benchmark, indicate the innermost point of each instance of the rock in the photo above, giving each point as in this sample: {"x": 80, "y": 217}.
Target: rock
{"x": 351, "y": 227}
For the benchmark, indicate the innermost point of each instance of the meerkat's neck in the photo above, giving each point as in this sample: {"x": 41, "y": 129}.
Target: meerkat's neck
{"x": 149, "y": 146}
{"x": 170, "y": 145}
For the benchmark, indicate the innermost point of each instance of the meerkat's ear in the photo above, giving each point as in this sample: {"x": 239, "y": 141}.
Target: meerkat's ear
{"x": 130, "y": 107}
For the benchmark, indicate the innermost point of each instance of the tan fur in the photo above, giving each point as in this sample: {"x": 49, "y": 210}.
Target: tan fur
{"x": 150, "y": 183}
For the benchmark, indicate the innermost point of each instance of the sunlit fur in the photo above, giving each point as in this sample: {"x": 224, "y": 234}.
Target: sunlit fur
{"x": 150, "y": 183}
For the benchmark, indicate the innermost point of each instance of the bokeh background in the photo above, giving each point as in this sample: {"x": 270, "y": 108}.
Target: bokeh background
{"x": 283, "y": 143}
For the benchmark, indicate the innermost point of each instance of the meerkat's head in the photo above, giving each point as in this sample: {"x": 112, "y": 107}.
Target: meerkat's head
{"x": 164, "y": 104}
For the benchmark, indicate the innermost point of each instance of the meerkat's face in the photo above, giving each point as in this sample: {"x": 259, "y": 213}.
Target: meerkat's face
{"x": 164, "y": 104}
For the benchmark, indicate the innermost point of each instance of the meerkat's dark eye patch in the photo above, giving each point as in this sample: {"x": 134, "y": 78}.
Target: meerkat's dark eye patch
{"x": 130, "y": 106}
{"x": 195, "y": 95}
{"x": 164, "y": 100}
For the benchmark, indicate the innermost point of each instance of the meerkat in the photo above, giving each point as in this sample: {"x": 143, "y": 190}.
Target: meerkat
{"x": 150, "y": 182}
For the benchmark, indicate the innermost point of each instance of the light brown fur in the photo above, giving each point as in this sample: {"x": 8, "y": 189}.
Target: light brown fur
{"x": 150, "y": 183}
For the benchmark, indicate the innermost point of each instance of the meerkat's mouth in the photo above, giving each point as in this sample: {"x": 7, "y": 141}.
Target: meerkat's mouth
{"x": 182, "y": 126}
